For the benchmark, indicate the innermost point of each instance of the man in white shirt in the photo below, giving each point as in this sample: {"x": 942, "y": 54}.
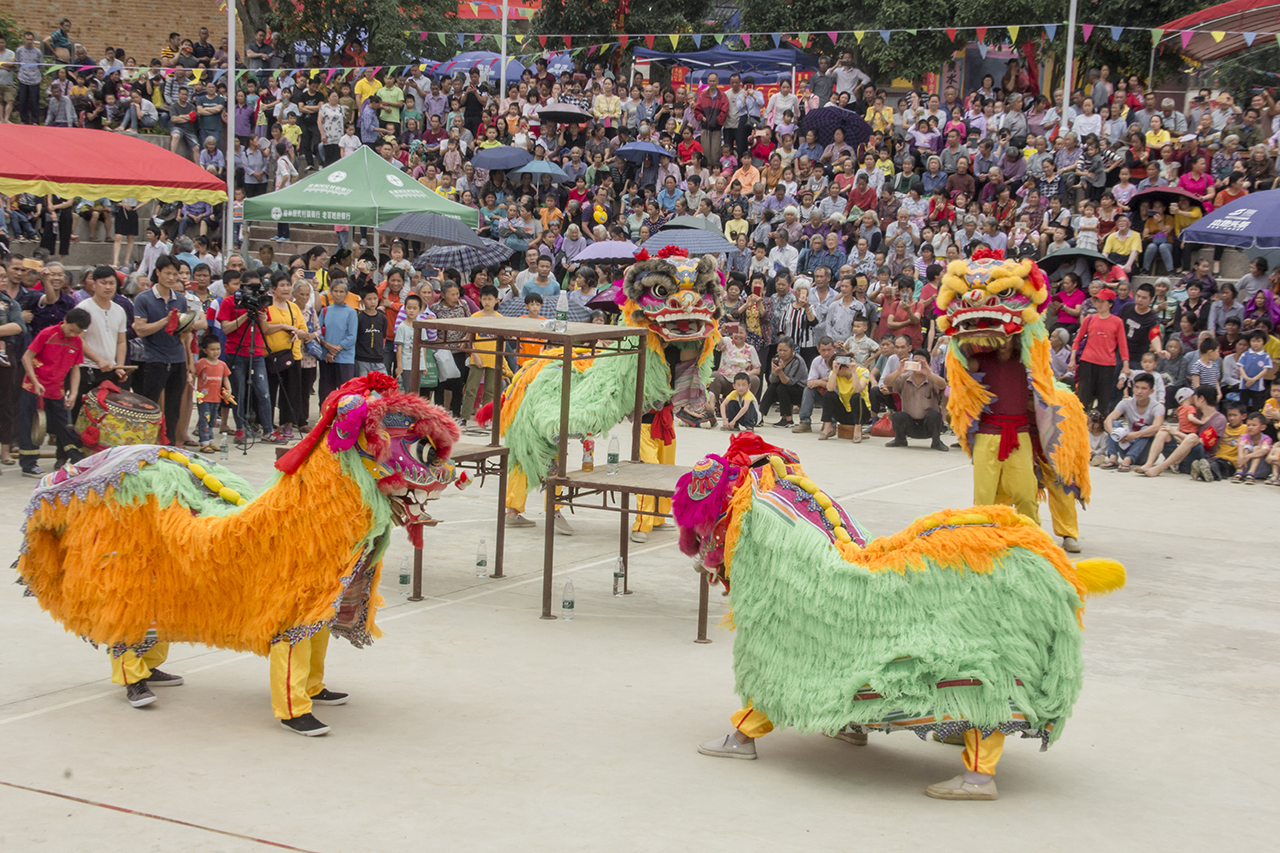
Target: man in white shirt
{"x": 1058, "y": 114}
{"x": 152, "y": 249}
{"x": 848, "y": 78}
{"x": 782, "y": 254}
{"x": 105, "y": 339}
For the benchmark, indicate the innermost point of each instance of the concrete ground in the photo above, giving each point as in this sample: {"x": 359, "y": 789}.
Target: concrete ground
{"x": 474, "y": 725}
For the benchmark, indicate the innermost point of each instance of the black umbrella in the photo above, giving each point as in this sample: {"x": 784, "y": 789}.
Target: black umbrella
{"x": 693, "y": 240}
{"x": 515, "y": 307}
{"x": 825, "y": 120}
{"x": 699, "y": 222}
{"x": 464, "y": 256}
{"x": 1049, "y": 265}
{"x": 1168, "y": 195}
{"x": 501, "y": 157}
{"x": 431, "y": 229}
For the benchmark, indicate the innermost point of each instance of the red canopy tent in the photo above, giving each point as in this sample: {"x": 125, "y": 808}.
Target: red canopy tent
{"x": 1233, "y": 19}
{"x": 95, "y": 164}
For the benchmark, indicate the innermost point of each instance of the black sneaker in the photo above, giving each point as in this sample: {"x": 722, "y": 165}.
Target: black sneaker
{"x": 306, "y": 725}
{"x": 163, "y": 679}
{"x": 784, "y": 424}
{"x": 938, "y": 445}
{"x": 35, "y": 472}
{"x": 330, "y": 697}
{"x": 895, "y": 443}
{"x": 139, "y": 694}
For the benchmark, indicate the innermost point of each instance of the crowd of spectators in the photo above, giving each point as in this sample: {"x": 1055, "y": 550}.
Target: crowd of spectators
{"x": 839, "y": 244}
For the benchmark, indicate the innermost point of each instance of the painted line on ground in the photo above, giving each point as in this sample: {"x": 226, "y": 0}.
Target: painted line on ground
{"x": 123, "y": 810}
{"x": 886, "y": 486}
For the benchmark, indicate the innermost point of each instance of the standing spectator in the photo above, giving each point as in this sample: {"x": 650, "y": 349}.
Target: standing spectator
{"x": 920, "y": 391}
{"x": 711, "y": 110}
{"x": 165, "y": 355}
{"x": 284, "y": 329}
{"x": 1142, "y": 325}
{"x": 338, "y": 328}
{"x": 8, "y": 91}
{"x": 245, "y": 351}
{"x": 49, "y": 358}
{"x": 309, "y": 104}
{"x": 1093, "y": 357}
{"x": 29, "y": 58}
{"x": 1255, "y": 367}
{"x": 210, "y": 107}
{"x": 105, "y": 340}
{"x": 212, "y": 377}
{"x": 371, "y": 335}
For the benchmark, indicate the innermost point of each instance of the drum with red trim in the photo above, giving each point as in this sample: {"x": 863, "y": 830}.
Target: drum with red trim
{"x": 114, "y": 418}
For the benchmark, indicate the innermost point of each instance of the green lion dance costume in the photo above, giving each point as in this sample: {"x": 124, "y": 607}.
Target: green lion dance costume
{"x": 966, "y": 623}
{"x": 677, "y": 299}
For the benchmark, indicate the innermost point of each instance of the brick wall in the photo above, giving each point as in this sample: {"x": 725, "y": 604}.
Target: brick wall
{"x": 141, "y": 27}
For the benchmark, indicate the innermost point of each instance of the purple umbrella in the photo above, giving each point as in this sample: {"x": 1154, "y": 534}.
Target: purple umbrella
{"x": 825, "y": 120}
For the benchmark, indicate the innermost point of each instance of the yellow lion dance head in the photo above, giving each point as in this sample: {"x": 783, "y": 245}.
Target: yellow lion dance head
{"x": 987, "y": 300}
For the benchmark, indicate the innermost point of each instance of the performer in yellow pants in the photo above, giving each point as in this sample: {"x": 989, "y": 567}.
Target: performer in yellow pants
{"x": 297, "y": 682}
{"x": 980, "y": 756}
{"x": 653, "y": 451}
{"x": 1013, "y": 481}
{"x": 139, "y": 674}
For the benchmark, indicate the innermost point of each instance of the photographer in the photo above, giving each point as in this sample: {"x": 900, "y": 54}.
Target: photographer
{"x": 846, "y": 401}
{"x": 246, "y": 299}
{"x": 786, "y": 383}
{"x": 920, "y": 391}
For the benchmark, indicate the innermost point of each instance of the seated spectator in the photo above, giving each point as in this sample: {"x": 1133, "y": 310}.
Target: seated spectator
{"x": 1133, "y": 424}
{"x": 846, "y": 405}
{"x": 1252, "y": 450}
{"x": 786, "y": 383}
{"x": 1187, "y": 449}
{"x": 739, "y": 408}
{"x": 737, "y": 356}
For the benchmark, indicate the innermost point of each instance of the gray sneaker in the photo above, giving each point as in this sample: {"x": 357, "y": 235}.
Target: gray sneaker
{"x": 163, "y": 679}
{"x": 729, "y": 747}
{"x": 803, "y": 426}
{"x": 1201, "y": 470}
{"x": 139, "y": 694}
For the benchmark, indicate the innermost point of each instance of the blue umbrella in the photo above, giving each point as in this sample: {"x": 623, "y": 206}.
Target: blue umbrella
{"x": 825, "y": 120}
{"x": 501, "y": 157}
{"x": 464, "y": 256}
{"x": 432, "y": 229}
{"x": 693, "y": 240}
{"x": 637, "y": 151}
{"x": 542, "y": 167}
{"x": 1251, "y": 222}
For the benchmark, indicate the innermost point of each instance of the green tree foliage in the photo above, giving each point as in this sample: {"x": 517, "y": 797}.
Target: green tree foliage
{"x": 386, "y": 29}
{"x": 601, "y": 16}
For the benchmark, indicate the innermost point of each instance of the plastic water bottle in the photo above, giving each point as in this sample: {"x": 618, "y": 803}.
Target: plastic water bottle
{"x": 619, "y": 577}
{"x": 224, "y": 450}
{"x": 482, "y": 561}
{"x": 562, "y": 312}
{"x": 588, "y": 453}
{"x": 615, "y": 453}
{"x": 566, "y": 602}
{"x": 406, "y": 576}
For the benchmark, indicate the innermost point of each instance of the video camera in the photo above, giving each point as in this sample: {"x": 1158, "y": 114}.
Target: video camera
{"x": 253, "y": 296}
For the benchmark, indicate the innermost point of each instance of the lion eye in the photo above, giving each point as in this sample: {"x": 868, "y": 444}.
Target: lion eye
{"x": 662, "y": 291}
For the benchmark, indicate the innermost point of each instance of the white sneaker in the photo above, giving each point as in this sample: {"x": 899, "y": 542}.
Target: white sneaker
{"x": 518, "y": 521}
{"x": 1070, "y": 545}
{"x": 639, "y": 537}
{"x": 958, "y": 789}
{"x": 729, "y": 747}
{"x": 563, "y": 527}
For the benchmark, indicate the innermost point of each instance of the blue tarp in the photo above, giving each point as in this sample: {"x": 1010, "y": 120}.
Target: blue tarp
{"x": 742, "y": 61}
{"x": 1249, "y": 222}
{"x": 761, "y": 78}
{"x": 486, "y": 60}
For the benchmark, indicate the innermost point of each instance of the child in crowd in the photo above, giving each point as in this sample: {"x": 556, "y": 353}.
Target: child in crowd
{"x": 1226, "y": 453}
{"x": 484, "y": 360}
{"x": 213, "y": 384}
{"x": 1253, "y": 366}
{"x": 427, "y": 374}
{"x": 532, "y": 311}
{"x": 1251, "y": 452}
{"x": 1098, "y": 437}
{"x": 1189, "y": 421}
{"x": 739, "y": 409}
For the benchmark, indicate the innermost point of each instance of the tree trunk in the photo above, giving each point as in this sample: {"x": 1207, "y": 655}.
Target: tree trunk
{"x": 254, "y": 15}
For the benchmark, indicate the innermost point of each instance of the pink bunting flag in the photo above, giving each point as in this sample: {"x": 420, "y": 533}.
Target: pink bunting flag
{"x": 1186, "y": 37}
{"x": 1087, "y": 29}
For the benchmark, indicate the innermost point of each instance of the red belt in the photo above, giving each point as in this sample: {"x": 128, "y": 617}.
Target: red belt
{"x": 663, "y": 427}
{"x": 1008, "y": 431}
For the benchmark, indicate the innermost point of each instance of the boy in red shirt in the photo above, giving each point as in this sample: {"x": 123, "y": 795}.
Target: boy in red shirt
{"x": 55, "y": 352}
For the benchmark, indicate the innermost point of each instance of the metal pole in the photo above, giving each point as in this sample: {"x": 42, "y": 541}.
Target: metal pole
{"x": 502, "y": 71}
{"x": 1151, "y": 71}
{"x": 228, "y": 226}
{"x": 1069, "y": 71}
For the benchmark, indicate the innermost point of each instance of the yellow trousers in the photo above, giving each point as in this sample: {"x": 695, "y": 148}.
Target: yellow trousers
{"x": 297, "y": 674}
{"x": 1013, "y": 481}
{"x": 980, "y": 754}
{"x": 130, "y": 669}
{"x": 654, "y": 452}
{"x": 518, "y": 489}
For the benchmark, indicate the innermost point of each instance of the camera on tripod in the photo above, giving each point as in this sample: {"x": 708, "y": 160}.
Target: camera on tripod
{"x": 253, "y": 296}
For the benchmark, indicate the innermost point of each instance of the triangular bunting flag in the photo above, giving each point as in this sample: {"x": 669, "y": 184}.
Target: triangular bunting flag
{"x": 981, "y": 33}
{"x": 519, "y": 38}
{"x": 1050, "y": 31}
{"x": 982, "y": 49}
{"x": 1013, "y": 34}
{"x": 474, "y": 9}
{"x": 1186, "y": 37}
{"x": 777, "y": 39}
{"x": 951, "y": 33}
{"x": 441, "y": 35}
{"x": 858, "y": 34}
{"x": 478, "y": 37}
{"x": 719, "y": 38}
{"x": 1156, "y": 35}
{"x": 1277, "y": 38}
{"x": 804, "y": 38}
{"x": 423, "y": 35}
{"x": 568, "y": 41}
{"x": 459, "y": 39}
{"x": 1087, "y": 29}
{"x": 674, "y": 40}
{"x": 622, "y": 40}
{"x": 697, "y": 41}
{"x": 1218, "y": 35}
{"x": 746, "y": 39}
{"x": 831, "y": 34}
{"x": 884, "y": 34}
{"x": 542, "y": 40}
{"x": 649, "y": 41}
{"x": 1248, "y": 38}
{"x": 1116, "y": 32}
{"x": 912, "y": 32}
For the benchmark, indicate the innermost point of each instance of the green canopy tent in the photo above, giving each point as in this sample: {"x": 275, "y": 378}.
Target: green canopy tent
{"x": 361, "y": 190}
